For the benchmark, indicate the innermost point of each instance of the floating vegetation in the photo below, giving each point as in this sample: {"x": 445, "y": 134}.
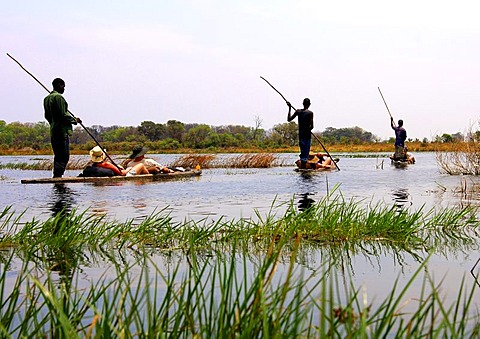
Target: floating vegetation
{"x": 45, "y": 164}
{"x": 247, "y": 160}
{"x": 194, "y": 160}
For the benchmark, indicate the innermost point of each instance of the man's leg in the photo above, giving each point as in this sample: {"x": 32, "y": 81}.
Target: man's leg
{"x": 399, "y": 153}
{"x": 61, "y": 151}
{"x": 304, "y": 151}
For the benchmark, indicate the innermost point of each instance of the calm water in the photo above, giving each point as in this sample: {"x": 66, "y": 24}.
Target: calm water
{"x": 240, "y": 193}
{"x": 234, "y": 193}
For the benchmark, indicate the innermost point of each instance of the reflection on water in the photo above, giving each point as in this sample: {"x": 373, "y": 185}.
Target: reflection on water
{"x": 308, "y": 184}
{"x": 64, "y": 259}
{"x": 62, "y": 199}
{"x": 305, "y": 201}
{"x": 401, "y": 198}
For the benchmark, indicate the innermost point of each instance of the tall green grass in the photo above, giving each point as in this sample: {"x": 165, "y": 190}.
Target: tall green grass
{"x": 226, "y": 296}
{"x": 228, "y": 278}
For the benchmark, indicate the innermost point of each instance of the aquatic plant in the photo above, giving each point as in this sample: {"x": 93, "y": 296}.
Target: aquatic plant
{"x": 45, "y": 164}
{"x": 225, "y": 296}
{"x": 462, "y": 157}
{"x": 246, "y": 160}
{"x": 229, "y": 277}
{"x": 194, "y": 160}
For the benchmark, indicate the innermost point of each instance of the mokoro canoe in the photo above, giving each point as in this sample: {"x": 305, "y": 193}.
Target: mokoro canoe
{"x": 311, "y": 170}
{"x": 400, "y": 163}
{"x": 317, "y": 169}
{"x": 141, "y": 177}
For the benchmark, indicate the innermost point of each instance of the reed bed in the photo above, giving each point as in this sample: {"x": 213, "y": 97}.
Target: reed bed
{"x": 225, "y": 278}
{"x": 194, "y": 160}
{"x": 247, "y": 160}
{"x": 464, "y": 158}
{"x": 263, "y": 160}
{"x": 45, "y": 165}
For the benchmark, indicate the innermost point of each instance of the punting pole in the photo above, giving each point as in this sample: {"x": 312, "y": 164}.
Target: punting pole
{"x": 386, "y": 105}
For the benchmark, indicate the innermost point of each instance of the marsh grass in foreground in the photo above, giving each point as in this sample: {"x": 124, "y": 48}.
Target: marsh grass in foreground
{"x": 332, "y": 220}
{"x": 233, "y": 278}
{"x": 224, "y": 297}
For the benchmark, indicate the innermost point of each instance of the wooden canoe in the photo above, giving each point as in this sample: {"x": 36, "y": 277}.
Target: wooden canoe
{"x": 117, "y": 178}
{"x": 399, "y": 163}
{"x": 312, "y": 164}
{"x": 311, "y": 170}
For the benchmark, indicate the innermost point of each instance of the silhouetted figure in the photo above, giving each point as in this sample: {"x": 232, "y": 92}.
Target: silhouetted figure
{"x": 61, "y": 121}
{"x": 305, "y": 127}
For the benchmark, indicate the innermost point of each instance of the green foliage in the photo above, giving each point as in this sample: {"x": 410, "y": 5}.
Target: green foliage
{"x": 285, "y": 133}
{"x": 152, "y": 131}
{"x": 16, "y": 134}
{"x": 173, "y": 135}
{"x": 350, "y": 135}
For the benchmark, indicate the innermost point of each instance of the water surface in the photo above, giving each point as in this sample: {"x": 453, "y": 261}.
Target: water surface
{"x": 242, "y": 193}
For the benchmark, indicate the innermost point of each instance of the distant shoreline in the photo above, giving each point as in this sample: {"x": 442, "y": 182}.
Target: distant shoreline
{"x": 123, "y": 149}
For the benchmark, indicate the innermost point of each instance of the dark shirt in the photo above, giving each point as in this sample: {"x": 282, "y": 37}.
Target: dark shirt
{"x": 56, "y": 113}
{"x": 304, "y": 123}
{"x": 400, "y": 136}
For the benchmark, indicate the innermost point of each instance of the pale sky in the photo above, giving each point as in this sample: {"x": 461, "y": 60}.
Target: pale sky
{"x": 196, "y": 61}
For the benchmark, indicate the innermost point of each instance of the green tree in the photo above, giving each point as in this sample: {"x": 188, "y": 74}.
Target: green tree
{"x": 6, "y": 135}
{"x": 196, "y": 137}
{"x": 120, "y": 134}
{"x": 175, "y": 130}
{"x": 348, "y": 135}
{"x": 446, "y": 138}
{"x": 152, "y": 131}
{"x": 287, "y": 132}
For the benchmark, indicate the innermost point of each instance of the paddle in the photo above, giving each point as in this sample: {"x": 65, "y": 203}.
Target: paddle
{"x": 81, "y": 124}
{"x": 276, "y": 90}
{"x": 386, "y": 105}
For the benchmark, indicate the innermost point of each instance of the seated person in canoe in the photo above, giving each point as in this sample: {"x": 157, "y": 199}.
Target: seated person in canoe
{"x": 317, "y": 161}
{"x": 409, "y": 156}
{"x": 405, "y": 156}
{"x": 138, "y": 157}
{"x": 101, "y": 167}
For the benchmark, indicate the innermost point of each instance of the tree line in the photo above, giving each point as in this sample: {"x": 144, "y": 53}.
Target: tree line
{"x": 174, "y": 135}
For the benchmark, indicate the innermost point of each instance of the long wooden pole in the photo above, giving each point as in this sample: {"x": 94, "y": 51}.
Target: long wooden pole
{"x": 386, "y": 105}
{"x": 81, "y": 124}
{"x": 276, "y": 90}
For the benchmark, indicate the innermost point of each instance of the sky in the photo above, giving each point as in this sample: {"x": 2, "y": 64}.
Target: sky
{"x": 200, "y": 61}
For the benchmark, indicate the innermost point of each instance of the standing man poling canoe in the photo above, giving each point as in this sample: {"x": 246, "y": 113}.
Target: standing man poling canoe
{"x": 305, "y": 127}
{"x": 400, "y": 137}
{"x": 60, "y": 120}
